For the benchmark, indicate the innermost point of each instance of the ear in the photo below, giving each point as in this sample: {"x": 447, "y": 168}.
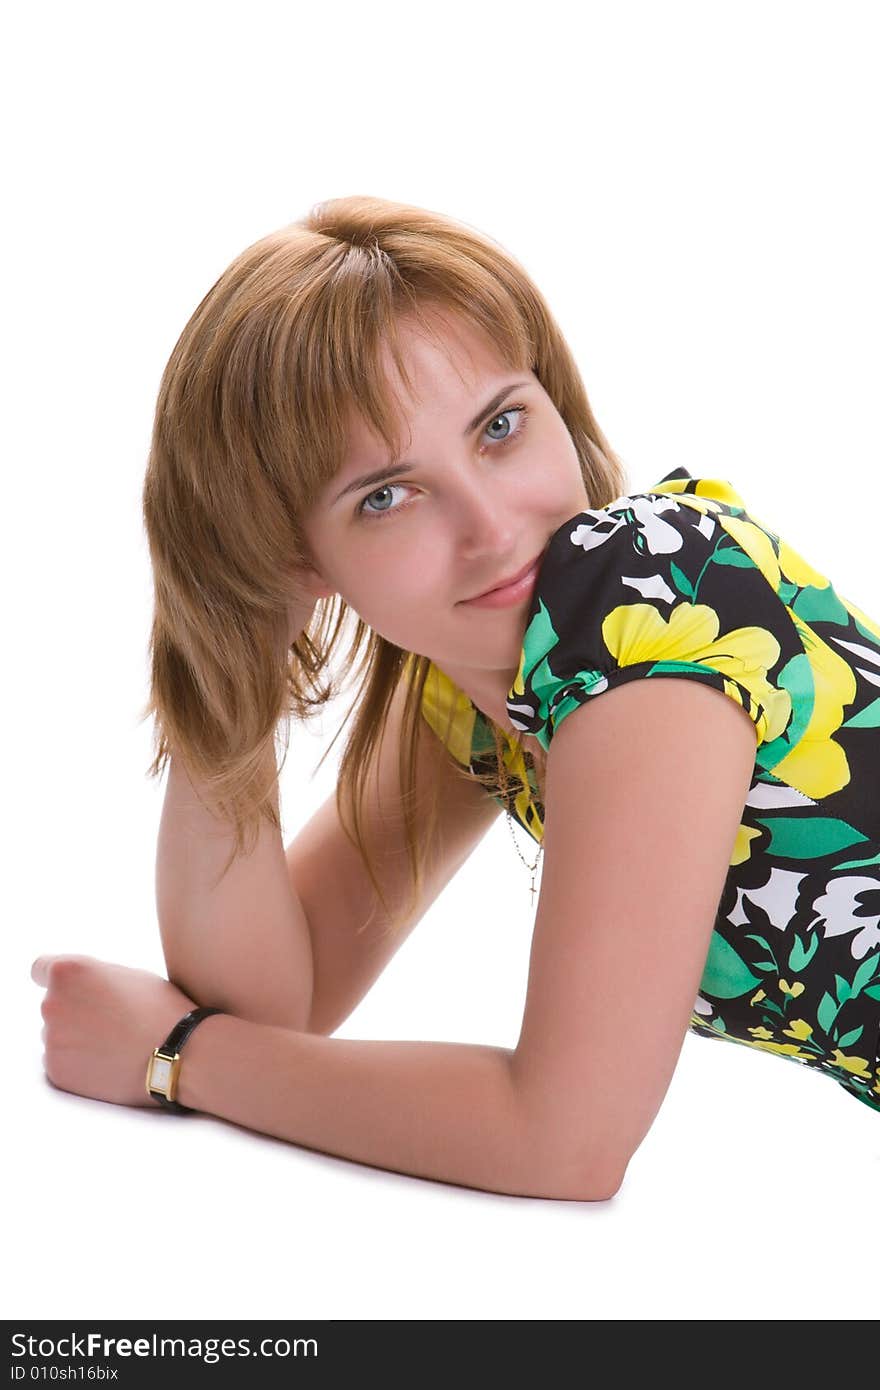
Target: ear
{"x": 310, "y": 580}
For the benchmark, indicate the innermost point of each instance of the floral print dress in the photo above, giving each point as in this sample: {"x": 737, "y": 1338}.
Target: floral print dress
{"x": 682, "y": 581}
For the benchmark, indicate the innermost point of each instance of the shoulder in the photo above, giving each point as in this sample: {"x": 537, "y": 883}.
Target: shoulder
{"x": 651, "y": 585}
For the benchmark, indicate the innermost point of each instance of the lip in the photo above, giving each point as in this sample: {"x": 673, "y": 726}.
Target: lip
{"x": 511, "y": 591}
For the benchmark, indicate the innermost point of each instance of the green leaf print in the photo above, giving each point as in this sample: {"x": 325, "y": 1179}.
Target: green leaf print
{"x": 852, "y": 1036}
{"x": 827, "y": 1012}
{"x": 773, "y": 1007}
{"x": 868, "y": 718}
{"x": 844, "y": 989}
{"x": 726, "y": 975}
{"x": 800, "y": 955}
{"x": 820, "y": 605}
{"x": 796, "y": 677}
{"x": 797, "y": 838}
{"x": 761, "y": 940}
{"x": 873, "y": 992}
{"x": 770, "y": 964}
{"x": 858, "y": 863}
{"x": 734, "y": 556}
{"x": 682, "y": 583}
{"x": 540, "y": 638}
{"x": 865, "y": 973}
{"x": 870, "y": 637}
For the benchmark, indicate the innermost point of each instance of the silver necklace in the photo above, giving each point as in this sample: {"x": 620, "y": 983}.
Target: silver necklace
{"x": 532, "y": 868}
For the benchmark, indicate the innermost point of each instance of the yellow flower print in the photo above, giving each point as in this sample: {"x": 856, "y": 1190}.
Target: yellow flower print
{"x": 857, "y": 1065}
{"x": 798, "y": 570}
{"x": 817, "y": 765}
{"x": 753, "y": 536}
{"x": 750, "y": 535}
{"x": 710, "y": 492}
{"x": 862, "y": 617}
{"x": 788, "y": 564}
{"x": 635, "y": 632}
{"x": 742, "y": 845}
{"x": 763, "y": 1038}
{"x": 756, "y": 998}
{"x": 518, "y": 687}
{"x": 757, "y": 545}
{"x": 798, "y": 1028}
{"x": 785, "y": 1049}
{"x": 794, "y": 990}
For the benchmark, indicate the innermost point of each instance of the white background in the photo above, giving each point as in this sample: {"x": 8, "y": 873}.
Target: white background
{"x": 693, "y": 187}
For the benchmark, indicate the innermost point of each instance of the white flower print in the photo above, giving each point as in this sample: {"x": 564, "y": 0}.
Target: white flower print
{"x": 839, "y": 905}
{"x": 659, "y": 537}
{"x": 777, "y": 896}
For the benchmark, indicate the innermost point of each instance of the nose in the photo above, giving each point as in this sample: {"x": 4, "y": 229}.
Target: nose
{"x": 485, "y": 523}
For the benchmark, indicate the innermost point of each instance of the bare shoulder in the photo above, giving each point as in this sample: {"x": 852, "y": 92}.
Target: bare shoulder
{"x": 645, "y": 788}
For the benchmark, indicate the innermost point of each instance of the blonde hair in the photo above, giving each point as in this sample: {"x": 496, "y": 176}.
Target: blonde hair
{"x": 250, "y": 425}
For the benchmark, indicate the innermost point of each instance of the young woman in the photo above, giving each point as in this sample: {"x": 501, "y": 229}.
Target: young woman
{"x": 373, "y": 414}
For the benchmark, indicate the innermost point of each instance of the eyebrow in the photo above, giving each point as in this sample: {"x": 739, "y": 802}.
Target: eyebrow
{"x": 393, "y": 470}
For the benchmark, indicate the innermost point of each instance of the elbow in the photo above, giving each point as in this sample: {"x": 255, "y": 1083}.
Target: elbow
{"x": 205, "y": 985}
{"x": 602, "y": 1186}
{"x": 582, "y": 1181}
{"x": 572, "y": 1156}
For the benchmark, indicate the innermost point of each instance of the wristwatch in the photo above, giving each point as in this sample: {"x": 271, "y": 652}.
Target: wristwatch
{"x": 163, "y": 1067}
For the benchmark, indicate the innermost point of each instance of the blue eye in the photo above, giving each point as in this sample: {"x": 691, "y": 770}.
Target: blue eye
{"x": 389, "y": 487}
{"x": 514, "y": 434}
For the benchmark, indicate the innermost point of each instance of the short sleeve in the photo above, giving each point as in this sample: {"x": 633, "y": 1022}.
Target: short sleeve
{"x": 649, "y": 586}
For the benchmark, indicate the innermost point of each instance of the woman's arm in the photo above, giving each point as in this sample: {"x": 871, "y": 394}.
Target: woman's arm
{"x": 287, "y": 924}
{"x": 241, "y": 943}
{"x": 640, "y": 827}
{"x": 445, "y": 1111}
{"x": 645, "y": 791}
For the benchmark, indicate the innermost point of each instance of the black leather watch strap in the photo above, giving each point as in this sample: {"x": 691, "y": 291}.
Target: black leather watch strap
{"x": 170, "y": 1104}
{"x": 173, "y": 1043}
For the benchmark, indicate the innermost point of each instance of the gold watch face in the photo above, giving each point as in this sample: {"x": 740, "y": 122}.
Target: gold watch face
{"x": 161, "y": 1074}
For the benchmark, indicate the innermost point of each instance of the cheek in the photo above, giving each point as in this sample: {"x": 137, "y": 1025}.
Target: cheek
{"x": 394, "y": 591}
{"x": 557, "y": 492}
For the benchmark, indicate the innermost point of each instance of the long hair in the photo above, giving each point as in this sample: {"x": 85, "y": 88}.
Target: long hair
{"x": 250, "y": 425}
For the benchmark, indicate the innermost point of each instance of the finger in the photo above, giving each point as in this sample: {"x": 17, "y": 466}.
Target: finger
{"x": 40, "y": 969}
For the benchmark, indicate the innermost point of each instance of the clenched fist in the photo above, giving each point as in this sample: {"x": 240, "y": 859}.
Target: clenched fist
{"x": 101, "y": 1023}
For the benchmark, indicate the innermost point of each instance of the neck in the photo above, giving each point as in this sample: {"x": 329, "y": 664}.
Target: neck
{"x": 490, "y": 697}
{"x": 487, "y": 691}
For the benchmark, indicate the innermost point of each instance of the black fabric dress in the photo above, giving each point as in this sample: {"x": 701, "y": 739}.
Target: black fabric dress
{"x": 682, "y": 581}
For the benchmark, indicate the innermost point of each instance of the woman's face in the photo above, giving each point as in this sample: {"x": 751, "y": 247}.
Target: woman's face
{"x": 488, "y": 472}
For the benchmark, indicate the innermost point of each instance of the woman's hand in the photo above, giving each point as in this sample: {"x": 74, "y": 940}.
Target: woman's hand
{"x": 101, "y": 1023}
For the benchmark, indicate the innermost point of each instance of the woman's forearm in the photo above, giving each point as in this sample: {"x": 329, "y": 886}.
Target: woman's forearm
{"x": 446, "y": 1111}
{"x": 241, "y": 943}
